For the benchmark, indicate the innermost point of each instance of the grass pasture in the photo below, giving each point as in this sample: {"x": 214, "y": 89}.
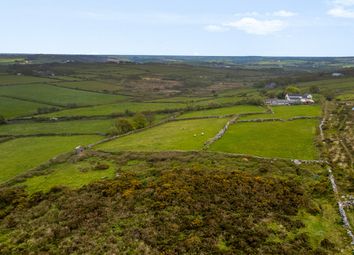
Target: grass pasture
{"x": 333, "y": 86}
{"x": 10, "y": 108}
{"x": 177, "y": 135}
{"x": 118, "y": 108}
{"x": 6, "y": 79}
{"x": 20, "y": 155}
{"x": 91, "y": 85}
{"x": 292, "y": 139}
{"x": 65, "y": 127}
{"x": 62, "y": 127}
{"x": 72, "y": 175}
{"x": 287, "y": 112}
{"x": 57, "y": 96}
{"x": 238, "y": 109}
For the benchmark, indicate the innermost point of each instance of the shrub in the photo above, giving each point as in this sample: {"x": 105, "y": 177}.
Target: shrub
{"x": 139, "y": 121}
{"x": 123, "y": 126}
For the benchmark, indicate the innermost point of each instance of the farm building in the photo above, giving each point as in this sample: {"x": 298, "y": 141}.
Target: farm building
{"x": 299, "y": 99}
{"x": 337, "y": 74}
{"x": 275, "y": 101}
{"x": 292, "y": 99}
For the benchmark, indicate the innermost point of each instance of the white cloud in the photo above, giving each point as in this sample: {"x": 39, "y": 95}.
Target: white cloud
{"x": 258, "y": 27}
{"x": 280, "y": 13}
{"x": 344, "y": 2}
{"x": 216, "y": 28}
{"x": 284, "y": 14}
{"x": 340, "y": 12}
{"x": 248, "y": 14}
{"x": 342, "y": 9}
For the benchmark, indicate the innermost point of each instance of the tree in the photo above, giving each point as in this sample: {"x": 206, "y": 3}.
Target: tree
{"x": 2, "y": 120}
{"x": 314, "y": 89}
{"x": 139, "y": 121}
{"x": 123, "y": 126}
{"x": 292, "y": 90}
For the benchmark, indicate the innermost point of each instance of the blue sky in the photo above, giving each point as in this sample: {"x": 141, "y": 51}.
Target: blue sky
{"x": 179, "y": 27}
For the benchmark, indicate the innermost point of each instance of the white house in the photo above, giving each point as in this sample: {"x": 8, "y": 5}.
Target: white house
{"x": 299, "y": 99}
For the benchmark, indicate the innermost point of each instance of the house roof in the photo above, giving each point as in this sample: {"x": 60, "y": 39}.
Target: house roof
{"x": 294, "y": 95}
{"x": 298, "y": 96}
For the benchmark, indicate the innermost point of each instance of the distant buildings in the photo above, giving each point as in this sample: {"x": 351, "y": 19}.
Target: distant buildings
{"x": 292, "y": 99}
{"x": 337, "y": 74}
{"x": 275, "y": 101}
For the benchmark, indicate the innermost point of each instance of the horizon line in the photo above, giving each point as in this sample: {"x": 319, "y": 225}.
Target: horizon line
{"x": 181, "y": 55}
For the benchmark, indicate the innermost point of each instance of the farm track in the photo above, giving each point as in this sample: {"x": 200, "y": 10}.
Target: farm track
{"x": 347, "y": 151}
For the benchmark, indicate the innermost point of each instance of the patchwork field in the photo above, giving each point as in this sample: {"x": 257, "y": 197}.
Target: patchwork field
{"x": 177, "y": 135}
{"x": 287, "y": 112}
{"x": 224, "y": 111}
{"x": 10, "y": 108}
{"x": 160, "y": 190}
{"x": 292, "y": 139}
{"x": 118, "y": 108}
{"x": 57, "y": 96}
{"x": 19, "y": 155}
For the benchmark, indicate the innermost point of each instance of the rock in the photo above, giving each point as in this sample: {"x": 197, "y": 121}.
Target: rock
{"x": 297, "y": 162}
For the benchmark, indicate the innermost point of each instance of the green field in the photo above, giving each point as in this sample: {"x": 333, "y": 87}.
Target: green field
{"x": 20, "y": 155}
{"x": 91, "y": 85}
{"x": 224, "y": 111}
{"x": 181, "y": 99}
{"x": 292, "y": 139}
{"x": 10, "y": 108}
{"x": 118, "y": 108}
{"x": 72, "y": 175}
{"x": 346, "y": 97}
{"x": 287, "y": 112}
{"x": 62, "y": 127}
{"x": 65, "y": 127}
{"x": 333, "y": 86}
{"x": 178, "y": 135}
{"x": 6, "y": 79}
{"x": 57, "y": 96}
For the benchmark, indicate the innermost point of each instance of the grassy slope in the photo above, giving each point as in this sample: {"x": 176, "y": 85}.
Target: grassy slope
{"x": 179, "y": 203}
{"x": 19, "y": 155}
{"x": 224, "y": 111}
{"x": 59, "y": 96}
{"x": 70, "y": 175}
{"x": 178, "y": 135}
{"x": 287, "y": 112}
{"x": 10, "y": 108}
{"x": 293, "y": 139}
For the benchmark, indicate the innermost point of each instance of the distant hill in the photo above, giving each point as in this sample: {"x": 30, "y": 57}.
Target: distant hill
{"x": 298, "y": 63}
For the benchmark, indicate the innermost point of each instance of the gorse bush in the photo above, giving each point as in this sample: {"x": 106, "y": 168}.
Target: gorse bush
{"x": 177, "y": 211}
